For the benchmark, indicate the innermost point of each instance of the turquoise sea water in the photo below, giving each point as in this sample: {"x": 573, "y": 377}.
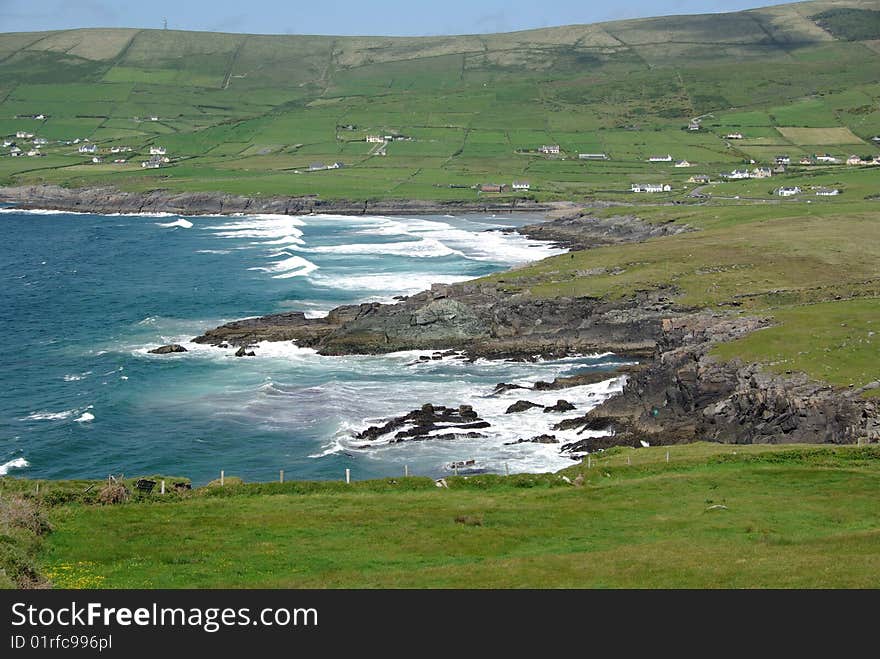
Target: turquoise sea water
{"x": 85, "y": 296}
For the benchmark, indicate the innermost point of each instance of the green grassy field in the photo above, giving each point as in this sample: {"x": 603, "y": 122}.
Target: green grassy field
{"x": 796, "y": 79}
{"x": 713, "y": 516}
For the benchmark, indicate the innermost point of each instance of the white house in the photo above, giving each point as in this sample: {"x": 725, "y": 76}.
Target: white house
{"x": 733, "y": 136}
{"x": 855, "y": 160}
{"x": 806, "y": 160}
{"x": 377, "y": 139}
{"x": 699, "y": 178}
{"x": 157, "y": 150}
{"x": 154, "y": 118}
{"x": 97, "y": 160}
{"x": 650, "y": 187}
{"x": 336, "y": 165}
{"x": 762, "y": 172}
{"x": 8, "y": 143}
{"x": 682, "y": 163}
{"x": 827, "y": 158}
{"x": 737, "y": 174}
{"x": 666, "y": 158}
{"x": 788, "y": 191}
{"x": 34, "y": 152}
{"x": 783, "y": 160}
{"x": 521, "y": 185}
{"x": 550, "y": 149}
{"x": 593, "y": 156}
{"x": 694, "y": 125}
{"x": 24, "y": 135}
{"x": 40, "y": 116}
{"x": 88, "y": 148}
{"x": 827, "y": 192}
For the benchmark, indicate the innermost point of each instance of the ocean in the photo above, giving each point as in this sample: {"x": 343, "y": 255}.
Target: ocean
{"x": 86, "y": 296}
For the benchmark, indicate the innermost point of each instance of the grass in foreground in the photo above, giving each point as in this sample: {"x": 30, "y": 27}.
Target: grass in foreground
{"x": 713, "y": 516}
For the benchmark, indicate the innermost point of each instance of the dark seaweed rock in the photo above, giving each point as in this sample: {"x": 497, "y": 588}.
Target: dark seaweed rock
{"x": 521, "y": 406}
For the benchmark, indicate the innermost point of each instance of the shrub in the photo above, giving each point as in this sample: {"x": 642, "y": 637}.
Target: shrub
{"x": 113, "y": 493}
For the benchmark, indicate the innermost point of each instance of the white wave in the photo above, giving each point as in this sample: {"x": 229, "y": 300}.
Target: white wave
{"x": 182, "y": 223}
{"x": 399, "y": 284}
{"x": 50, "y": 416}
{"x": 75, "y": 377}
{"x": 212, "y": 251}
{"x": 293, "y": 266}
{"x": 498, "y": 449}
{"x": 39, "y": 211}
{"x": 85, "y": 417}
{"x": 17, "y": 463}
{"x": 422, "y": 248}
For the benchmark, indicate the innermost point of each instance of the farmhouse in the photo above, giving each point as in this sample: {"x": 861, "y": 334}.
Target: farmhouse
{"x": 40, "y": 141}
{"x": 827, "y": 192}
{"x": 491, "y": 187}
{"x": 737, "y": 174}
{"x": 650, "y": 187}
{"x": 34, "y": 153}
{"x": 806, "y": 160}
{"x": 856, "y": 160}
{"x": 24, "y": 135}
{"x": 782, "y": 160}
{"x": 699, "y": 178}
{"x": 8, "y": 143}
{"x": 826, "y": 158}
{"x": 336, "y": 165}
{"x": 97, "y": 160}
{"x": 374, "y": 139}
{"x": 666, "y": 158}
{"x": 317, "y": 166}
{"x": 550, "y": 149}
{"x": 762, "y": 172}
{"x": 593, "y": 156}
{"x": 694, "y": 125}
{"x": 733, "y": 136}
{"x": 788, "y": 191}
{"x": 521, "y": 185}
{"x": 157, "y": 150}
{"x": 682, "y": 163}
{"x": 88, "y": 148}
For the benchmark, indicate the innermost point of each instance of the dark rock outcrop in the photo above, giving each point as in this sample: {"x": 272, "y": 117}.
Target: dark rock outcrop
{"x": 685, "y": 394}
{"x": 579, "y": 230}
{"x": 561, "y": 406}
{"x": 243, "y": 352}
{"x": 540, "y": 439}
{"x": 168, "y": 349}
{"x": 425, "y": 421}
{"x": 521, "y": 406}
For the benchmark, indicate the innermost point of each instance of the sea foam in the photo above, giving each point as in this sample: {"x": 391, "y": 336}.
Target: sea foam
{"x": 17, "y": 463}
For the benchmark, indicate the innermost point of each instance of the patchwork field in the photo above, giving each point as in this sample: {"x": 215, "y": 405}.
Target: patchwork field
{"x": 243, "y": 113}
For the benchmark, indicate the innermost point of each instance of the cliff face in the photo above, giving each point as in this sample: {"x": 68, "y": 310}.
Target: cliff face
{"x": 685, "y": 394}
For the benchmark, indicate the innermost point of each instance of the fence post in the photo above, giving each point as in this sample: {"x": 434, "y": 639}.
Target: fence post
{"x": 281, "y": 476}
{"x": 667, "y": 456}
{"x": 628, "y": 460}
{"x": 162, "y": 488}
{"x": 589, "y": 461}
{"x": 506, "y": 469}
{"x": 348, "y": 475}
{"x": 406, "y": 471}
{"x": 222, "y": 478}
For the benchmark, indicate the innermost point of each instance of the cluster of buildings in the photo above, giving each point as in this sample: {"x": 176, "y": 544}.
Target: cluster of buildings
{"x": 650, "y": 187}
{"x": 516, "y": 186}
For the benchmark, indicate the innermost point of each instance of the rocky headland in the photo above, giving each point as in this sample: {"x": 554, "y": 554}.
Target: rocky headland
{"x": 680, "y": 392}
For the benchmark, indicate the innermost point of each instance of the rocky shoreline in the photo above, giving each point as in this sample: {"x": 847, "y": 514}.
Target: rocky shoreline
{"x": 680, "y": 393}
{"x": 112, "y": 200}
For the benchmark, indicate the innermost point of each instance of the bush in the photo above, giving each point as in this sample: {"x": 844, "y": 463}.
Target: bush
{"x": 113, "y": 493}
{"x": 16, "y": 512}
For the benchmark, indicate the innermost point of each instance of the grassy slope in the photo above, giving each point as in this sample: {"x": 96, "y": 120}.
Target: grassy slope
{"x": 242, "y": 113}
{"x": 791, "y": 514}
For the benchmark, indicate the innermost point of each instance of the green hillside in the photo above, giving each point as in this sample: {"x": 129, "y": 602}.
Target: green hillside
{"x": 713, "y": 516}
{"x": 250, "y": 114}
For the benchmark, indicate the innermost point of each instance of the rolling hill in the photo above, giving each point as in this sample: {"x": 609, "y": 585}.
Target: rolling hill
{"x": 247, "y": 113}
